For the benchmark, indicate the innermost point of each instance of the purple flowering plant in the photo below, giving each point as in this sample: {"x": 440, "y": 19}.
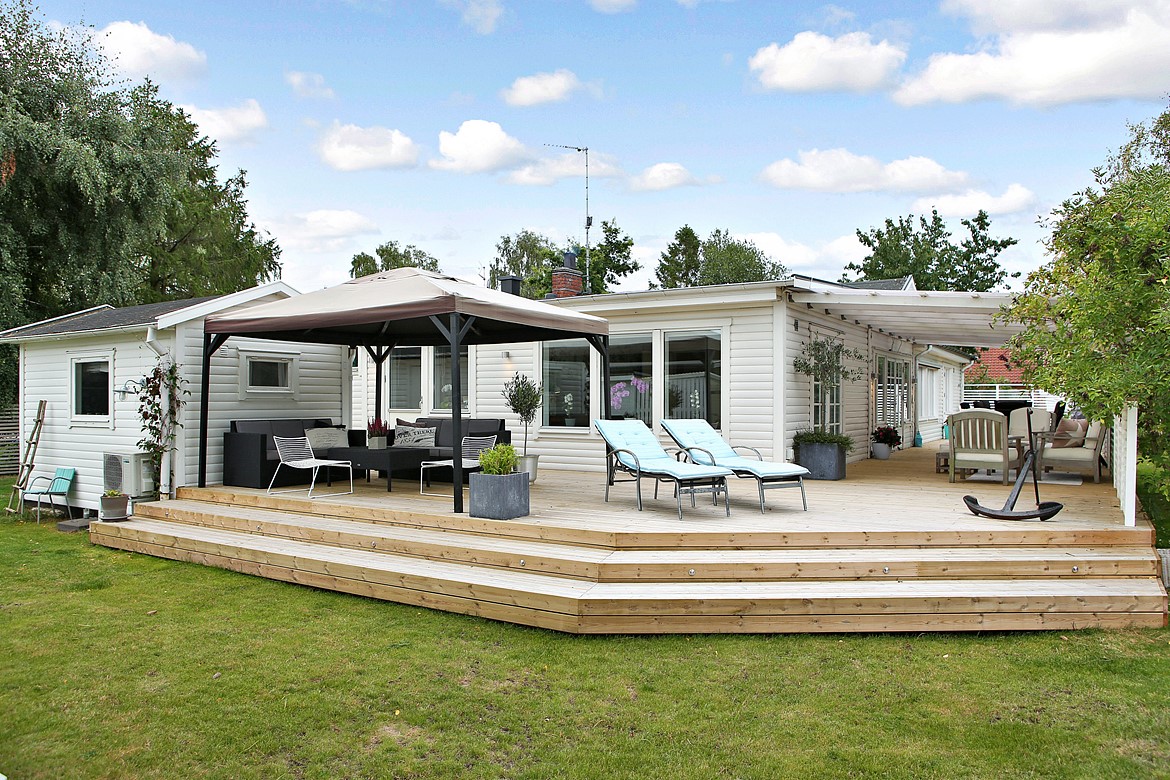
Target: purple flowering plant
{"x": 621, "y": 390}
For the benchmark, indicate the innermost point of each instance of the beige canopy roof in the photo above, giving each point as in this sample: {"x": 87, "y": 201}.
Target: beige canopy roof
{"x": 395, "y": 307}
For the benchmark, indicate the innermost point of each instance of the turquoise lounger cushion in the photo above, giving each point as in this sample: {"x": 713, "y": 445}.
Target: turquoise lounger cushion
{"x": 762, "y": 468}
{"x": 633, "y": 435}
{"x": 699, "y": 433}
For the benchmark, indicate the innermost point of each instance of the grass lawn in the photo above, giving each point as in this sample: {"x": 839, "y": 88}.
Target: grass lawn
{"x": 121, "y": 665}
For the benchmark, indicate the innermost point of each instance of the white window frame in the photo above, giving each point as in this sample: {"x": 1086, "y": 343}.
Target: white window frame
{"x": 249, "y": 354}
{"x": 927, "y": 392}
{"x": 91, "y": 420}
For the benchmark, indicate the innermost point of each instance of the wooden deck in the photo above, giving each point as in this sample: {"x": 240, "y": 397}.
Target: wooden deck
{"x": 891, "y": 548}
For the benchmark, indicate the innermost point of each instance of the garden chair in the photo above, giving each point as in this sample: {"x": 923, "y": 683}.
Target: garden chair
{"x": 979, "y": 440}
{"x": 57, "y": 486}
{"x": 296, "y": 453}
{"x": 632, "y": 448}
{"x": 1018, "y": 429}
{"x": 1085, "y": 455}
{"x": 707, "y": 447}
{"x": 472, "y": 446}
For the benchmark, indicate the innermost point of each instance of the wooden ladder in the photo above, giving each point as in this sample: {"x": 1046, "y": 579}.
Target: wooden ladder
{"x": 28, "y": 459}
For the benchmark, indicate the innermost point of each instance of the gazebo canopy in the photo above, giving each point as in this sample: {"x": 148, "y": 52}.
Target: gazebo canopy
{"x": 395, "y": 308}
{"x": 403, "y": 307}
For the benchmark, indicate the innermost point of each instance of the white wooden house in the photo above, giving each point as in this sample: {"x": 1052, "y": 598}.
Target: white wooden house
{"x": 722, "y": 352}
{"x": 88, "y": 367}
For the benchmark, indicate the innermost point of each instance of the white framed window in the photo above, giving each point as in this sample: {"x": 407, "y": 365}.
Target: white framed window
{"x": 268, "y": 372}
{"x": 826, "y": 410}
{"x": 565, "y": 375}
{"x": 91, "y": 389}
{"x": 928, "y": 393}
{"x": 892, "y": 397}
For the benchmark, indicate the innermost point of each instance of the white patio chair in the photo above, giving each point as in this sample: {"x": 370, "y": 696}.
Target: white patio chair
{"x": 979, "y": 440}
{"x": 296, "y": 453}
{"x": 472, "y": 446}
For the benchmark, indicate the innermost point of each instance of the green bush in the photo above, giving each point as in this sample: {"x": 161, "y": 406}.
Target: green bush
{"x": 500, "y": 459}
{"x": 821, "y": 436}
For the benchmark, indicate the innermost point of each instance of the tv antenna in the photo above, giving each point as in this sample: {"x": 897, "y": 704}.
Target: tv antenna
{"x": 588, "y": 219}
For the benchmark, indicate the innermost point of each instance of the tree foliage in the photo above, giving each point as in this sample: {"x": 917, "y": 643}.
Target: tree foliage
{"x": 533, "y": 257}
{"x": 720, "y": 259}
{"x": 679, "y": 265}
{"x": 528, "y": 255}
{"x": 108, "y": 194}
{"x": 390, "y": 256}
{"x": 928, "y": 253}
{"x": 1097, "y": 315}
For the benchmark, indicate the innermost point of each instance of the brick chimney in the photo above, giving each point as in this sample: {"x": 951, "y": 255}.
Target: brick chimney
{"x": 567, "y": 281}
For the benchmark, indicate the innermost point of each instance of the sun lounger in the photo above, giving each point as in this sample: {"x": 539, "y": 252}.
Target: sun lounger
{"x": 632, "y": 448}
{"x": 707, "y": 447}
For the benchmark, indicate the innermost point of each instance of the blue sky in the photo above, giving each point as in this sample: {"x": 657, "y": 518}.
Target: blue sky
{"x": 788, "y": 123}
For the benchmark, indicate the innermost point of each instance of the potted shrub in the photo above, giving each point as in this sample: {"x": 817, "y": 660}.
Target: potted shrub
{"x": 498, "y": 491}
{"x": 523, "y": 397}
{"x": 885, "y": 438}
{"x": 115, "y": 505}
{"x": 376, "y": 433}
{"x": 822, "y": 453}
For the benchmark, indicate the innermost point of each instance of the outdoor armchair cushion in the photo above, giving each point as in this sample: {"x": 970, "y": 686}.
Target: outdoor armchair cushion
{"x": 322, "y": 439}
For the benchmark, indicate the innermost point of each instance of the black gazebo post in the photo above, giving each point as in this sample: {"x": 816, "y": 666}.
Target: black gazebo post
{"x": 455, "y": 331}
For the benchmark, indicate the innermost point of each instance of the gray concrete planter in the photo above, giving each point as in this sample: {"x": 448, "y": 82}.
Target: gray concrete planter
{"x": 499, "y": 496}
{"x": 823, "y": 461}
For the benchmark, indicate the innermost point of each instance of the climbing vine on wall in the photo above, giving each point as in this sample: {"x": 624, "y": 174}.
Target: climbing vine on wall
{"x": 159, "y": 402}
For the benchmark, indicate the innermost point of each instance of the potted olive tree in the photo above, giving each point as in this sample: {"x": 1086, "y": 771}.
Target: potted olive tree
{"x": 498, "y": 491}
{"x": 523, "y": 396}
{"x": 823, "y": 358}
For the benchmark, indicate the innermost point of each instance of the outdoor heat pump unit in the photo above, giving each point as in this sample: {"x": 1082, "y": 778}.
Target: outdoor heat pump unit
{"x": 128, "y": 472}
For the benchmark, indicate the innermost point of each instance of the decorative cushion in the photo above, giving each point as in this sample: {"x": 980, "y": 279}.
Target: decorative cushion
{"x": 408, "y": 424}
{"x": 409, "y": 436}
{"x": 321, "y": 439}
{"x": 1074, "y": 430}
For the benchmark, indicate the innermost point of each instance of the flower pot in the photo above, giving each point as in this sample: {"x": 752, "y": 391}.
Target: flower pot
{"x": 499, "y": 496}
{"x": 823, "y": 461}
{"x": 528, "y": 463}
{"x": 115, "y": 508}
{"x": 881, "y": 451}
{"x": 376, "y": 442}
{"x": 570, "y": 422}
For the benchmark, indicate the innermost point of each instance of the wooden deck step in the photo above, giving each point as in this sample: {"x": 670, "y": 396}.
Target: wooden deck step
{"x": 569, "y": 604}
{"x": 885, "y": 526}
{"x": 602, "y": 565}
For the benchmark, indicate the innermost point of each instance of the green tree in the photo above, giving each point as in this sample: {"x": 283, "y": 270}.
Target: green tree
{"x": 927, "y": 253}
{"x": 529, "y": 255}
{"x": 391, "y": 255}
{"x": 609, "y": 260}
{"x": 728, "y": 261}
{"x": 210, "y": 246}
{"x": 679, "y": 265}
{"x": 1097, "y": 315}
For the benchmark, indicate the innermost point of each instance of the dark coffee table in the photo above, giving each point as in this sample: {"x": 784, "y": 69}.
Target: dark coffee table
{"x": 384, "y": 460}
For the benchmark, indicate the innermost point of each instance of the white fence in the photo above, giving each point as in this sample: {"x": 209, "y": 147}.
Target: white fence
{"x": 1039, "y": 398}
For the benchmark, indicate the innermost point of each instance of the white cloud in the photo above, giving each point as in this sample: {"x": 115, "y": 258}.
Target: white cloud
{"x": 824, "y": 261}
{"x": 1016, "y": 198}
{"x": 235, "y": 123}
{"x": 549, "y": 170}
{"x": 323, "y": 230}
{"x": 613, "y": 6}
{"x": 839, "y": 170}
{"x": 138, "y": 52}
{"x": 815, "y": 62}
{"x": 308, "y": 85}
{"x": 479, "y": 146}
{"x": 663, "y": 176}
{"x": 479, "y": 15}
{"x": 1114, "y": 54}
{"x": 353, "y": 148}
{"x": 998, "y": 16}
{"x": 541, "y": 88}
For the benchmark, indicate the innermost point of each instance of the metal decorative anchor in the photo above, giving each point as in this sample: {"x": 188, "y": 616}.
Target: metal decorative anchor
{"x": 1044, "y": 510}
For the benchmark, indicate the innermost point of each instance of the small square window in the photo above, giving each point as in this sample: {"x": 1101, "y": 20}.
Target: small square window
{"x": 91, "y": 388}
{"x": 268, "y": 374}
